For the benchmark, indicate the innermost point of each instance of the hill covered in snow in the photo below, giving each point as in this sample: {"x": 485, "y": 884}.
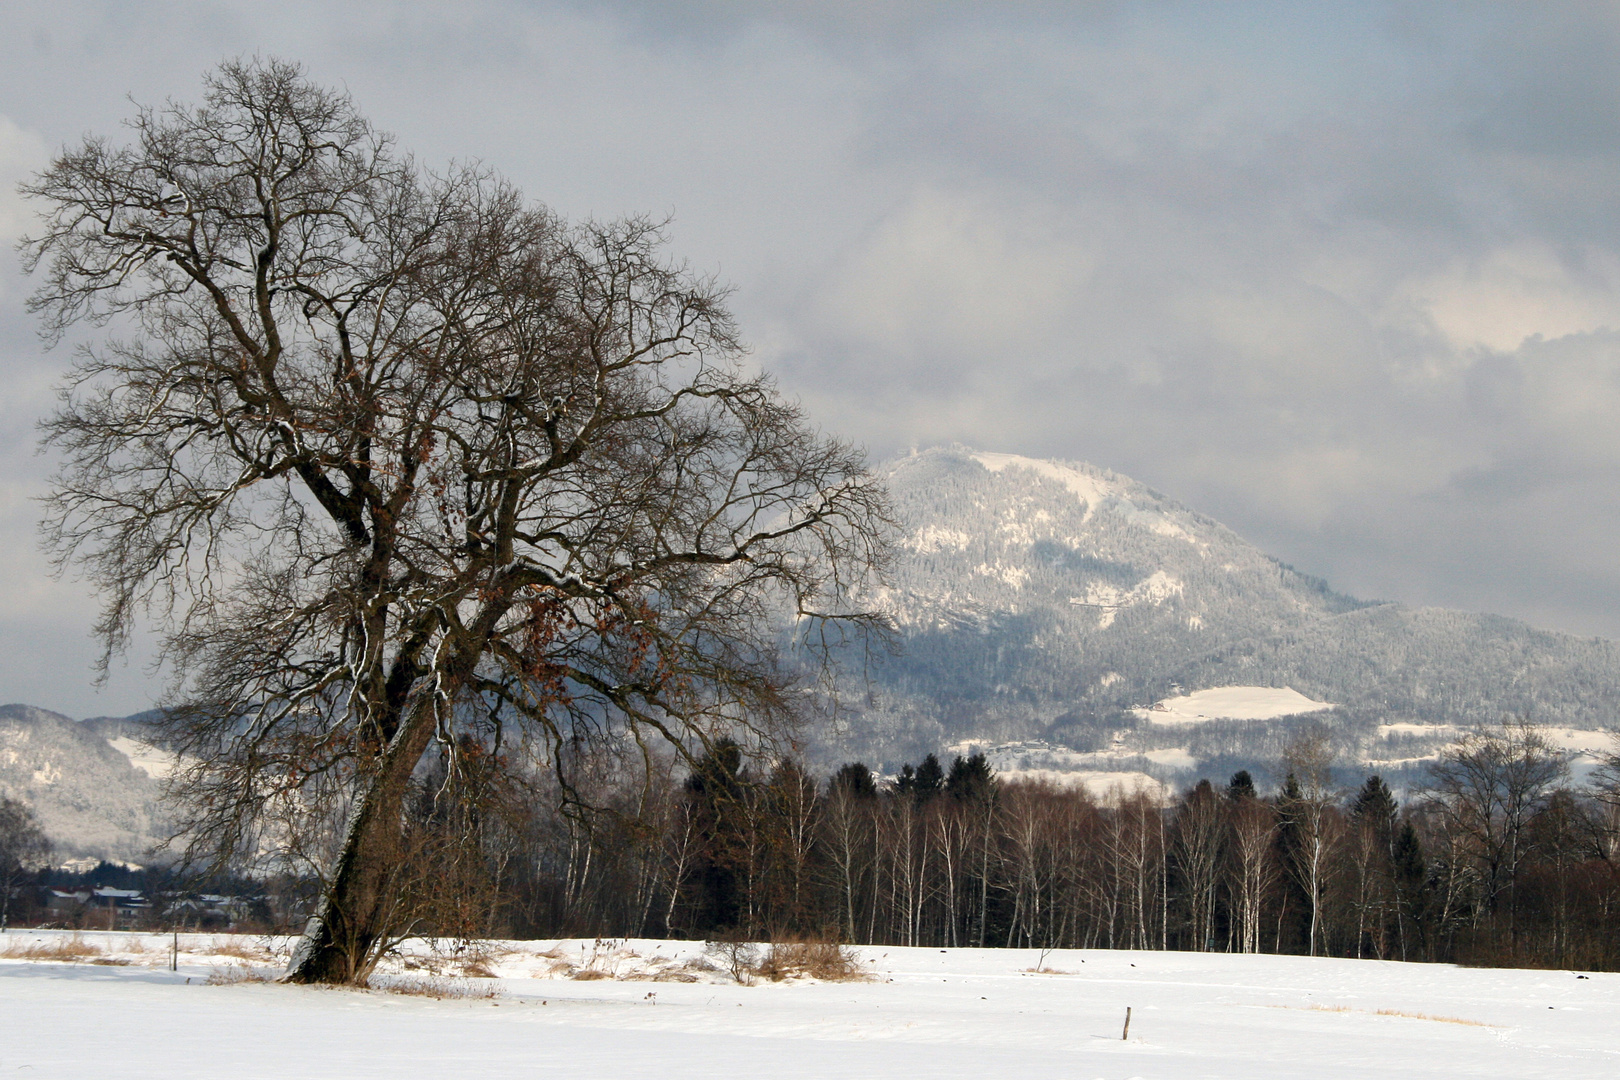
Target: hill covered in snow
{"x": 1057, "y": 604}
{"x": 95, "y": 797}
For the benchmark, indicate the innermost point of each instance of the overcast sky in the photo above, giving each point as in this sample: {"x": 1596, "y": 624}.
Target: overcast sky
{"x": 1344, "y": 277}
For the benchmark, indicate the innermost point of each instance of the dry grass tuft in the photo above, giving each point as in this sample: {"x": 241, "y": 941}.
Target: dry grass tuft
{"x": 589, "y": 974}
{"x": 1318, "y": 1007}
{"x": 240, "y": 951}
{"x": 826, "y": 961}
{"x": 234, "y": 975}
{"x": 439, "y": 988}
{"x": 1436, "y": 1019}
{"x": 66, "y": 949}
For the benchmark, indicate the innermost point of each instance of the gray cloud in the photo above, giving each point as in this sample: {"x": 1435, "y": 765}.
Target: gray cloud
{"x": 1347, "y": 279}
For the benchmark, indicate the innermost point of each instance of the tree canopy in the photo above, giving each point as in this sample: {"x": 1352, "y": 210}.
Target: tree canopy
{"x": 392, "y": 457}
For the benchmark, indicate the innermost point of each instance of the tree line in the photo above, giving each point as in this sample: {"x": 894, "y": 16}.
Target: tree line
{"x": 1498, "y": 861}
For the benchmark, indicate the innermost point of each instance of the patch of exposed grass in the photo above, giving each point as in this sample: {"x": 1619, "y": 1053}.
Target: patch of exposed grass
{"x": 1319, "y": 1007}
{"x": 239, "y": 950}
{"x": 1436, "y": 1019}
{"x": 65, "y": 949}
{"x": 235, "y": 974}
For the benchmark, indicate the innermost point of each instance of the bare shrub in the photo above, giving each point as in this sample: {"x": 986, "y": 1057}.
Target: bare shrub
{"x": 827, "y": 961}
{"x": 738, "y": 958}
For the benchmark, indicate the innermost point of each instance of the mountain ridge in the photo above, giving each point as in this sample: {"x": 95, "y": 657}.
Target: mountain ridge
{"x": 1049, "y": 601}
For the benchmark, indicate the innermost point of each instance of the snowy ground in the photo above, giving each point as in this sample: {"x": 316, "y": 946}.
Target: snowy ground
{"x": 925, "y": 1012}
{"x": 1232, "y": 703}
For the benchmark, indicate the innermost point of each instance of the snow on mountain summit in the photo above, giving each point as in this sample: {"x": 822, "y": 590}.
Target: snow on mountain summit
{"x": 1091, "y": 485}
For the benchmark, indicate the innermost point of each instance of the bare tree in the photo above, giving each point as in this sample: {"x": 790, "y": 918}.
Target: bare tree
{"x": 1488, "y": 787}
{"x": 23, "y": 847}
{"x": 1197, "y": 843}
{"x": 393, "y": 457}
{"x": 1307, "y": 809}
{"x": 1253, "y": 869}
{"x": 847, "y": 827}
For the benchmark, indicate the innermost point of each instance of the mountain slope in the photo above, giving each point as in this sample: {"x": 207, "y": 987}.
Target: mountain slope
{"x": 1049, "y": 603}
{"x": 89, "y": 798}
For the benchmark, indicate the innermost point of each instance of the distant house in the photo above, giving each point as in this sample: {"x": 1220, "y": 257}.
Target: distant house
{"x": 203, "y": 908}
{"x": 123, "y": 901}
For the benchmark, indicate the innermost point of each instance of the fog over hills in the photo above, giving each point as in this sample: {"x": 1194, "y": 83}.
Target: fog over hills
{"x": 1055, "y": 603}
{"x": 1070, "y": 622}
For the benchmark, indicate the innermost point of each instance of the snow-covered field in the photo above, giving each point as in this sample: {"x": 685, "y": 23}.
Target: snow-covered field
{"x": 924, "y": 1012}
{"x": 1232, "y": 703}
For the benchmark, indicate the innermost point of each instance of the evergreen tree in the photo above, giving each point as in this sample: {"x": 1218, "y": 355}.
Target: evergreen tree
{"x": 970, "y": 779}
{"x": 906, "y": 782}
{"x": 855, "y": 779}
{"x": 1241, "y": 786}
{"x": 930, "y": 780}
{"x": 1293, "y": 922}
{"x": 717, "y": 788}
{"x": 1411, "y": 890}
{"x": 1374, "y": 805}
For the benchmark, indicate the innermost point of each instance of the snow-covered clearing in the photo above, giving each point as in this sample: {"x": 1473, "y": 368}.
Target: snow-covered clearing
{"x": 1232, "y": 703}
{"x": 925, "y": 1012}
{"x": 1102, "y": 784}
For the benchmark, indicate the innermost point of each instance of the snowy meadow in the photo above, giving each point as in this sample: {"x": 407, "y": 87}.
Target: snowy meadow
{"x": 109, "y": 1004}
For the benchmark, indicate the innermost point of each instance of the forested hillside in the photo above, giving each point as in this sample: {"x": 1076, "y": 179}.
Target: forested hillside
{"x": 90, "y": 799}
{"x": 1046, "y": 601}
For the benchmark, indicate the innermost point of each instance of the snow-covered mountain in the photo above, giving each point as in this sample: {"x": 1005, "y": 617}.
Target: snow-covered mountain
{"x": 94, "y": 796}
{"x": 1051, "y": 605}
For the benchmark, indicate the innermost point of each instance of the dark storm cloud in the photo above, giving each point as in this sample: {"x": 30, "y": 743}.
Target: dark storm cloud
{"x": 1346, "y": 277}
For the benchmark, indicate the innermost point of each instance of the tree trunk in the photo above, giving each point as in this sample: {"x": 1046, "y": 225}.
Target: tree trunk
{"x": 343, "y": 939}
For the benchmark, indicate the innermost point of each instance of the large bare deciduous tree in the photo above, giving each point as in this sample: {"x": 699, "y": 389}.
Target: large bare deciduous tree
{"x": 395, "y": 458}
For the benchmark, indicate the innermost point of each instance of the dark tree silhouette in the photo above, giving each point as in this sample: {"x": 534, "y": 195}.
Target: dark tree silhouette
{"x": 393, "y": 457}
